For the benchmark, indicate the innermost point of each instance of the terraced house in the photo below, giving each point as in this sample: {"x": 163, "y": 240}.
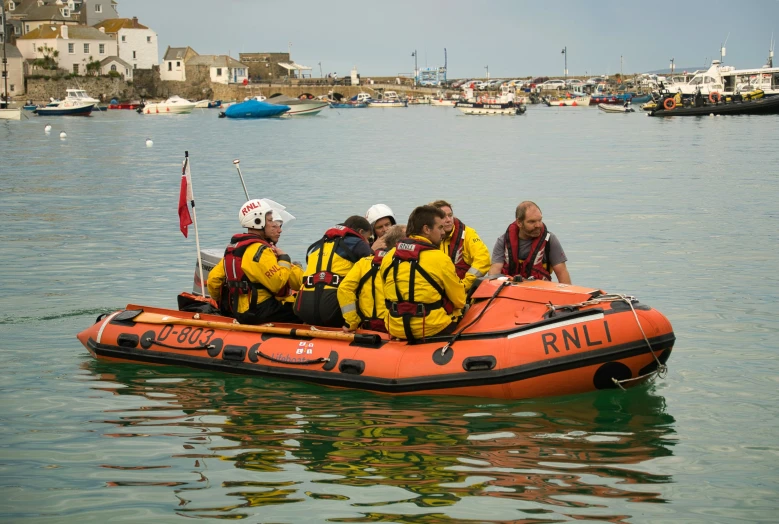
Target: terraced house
{"x": 75, "y": 46}
{"x": 137, "y": 43}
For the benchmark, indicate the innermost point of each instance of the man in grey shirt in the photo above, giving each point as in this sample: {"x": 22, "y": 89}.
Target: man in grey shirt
{"x": 528, "y": 238}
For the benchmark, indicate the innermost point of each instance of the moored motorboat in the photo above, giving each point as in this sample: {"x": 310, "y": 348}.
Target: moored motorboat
{"x": 66, "y": 107}
{"x": 616, "y": 109}
{"x": 573, "y": 101}
{"x": 348, "y": 105}
{"x": 387, "y": 99}
{"x": 174, "y": 105}
{"x": 714, "y": 106}
{"x": 517, "y": 340}
{"x": 254, "y": 109}
{"x": 641, "y": 99}
{"x": 298, "y": 106}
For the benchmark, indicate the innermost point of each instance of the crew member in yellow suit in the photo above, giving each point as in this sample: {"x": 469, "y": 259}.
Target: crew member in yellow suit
{"x": 254, "y": 280}
{"x": 471, "y": 257}
{"x": 421, "y": 287}
{"x": 361, "y": 293}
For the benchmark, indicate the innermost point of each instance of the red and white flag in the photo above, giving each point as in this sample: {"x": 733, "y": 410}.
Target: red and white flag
{"x": 185, "y": 196}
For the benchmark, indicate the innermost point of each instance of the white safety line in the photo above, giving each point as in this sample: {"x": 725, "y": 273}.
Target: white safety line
{"x": 104, "y": 324}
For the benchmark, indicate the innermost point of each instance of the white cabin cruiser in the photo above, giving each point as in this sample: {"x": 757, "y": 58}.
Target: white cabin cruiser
{"x": 727, "y": 80}
{"x": 174, "y": 105}
{"x": 388, "y": 99}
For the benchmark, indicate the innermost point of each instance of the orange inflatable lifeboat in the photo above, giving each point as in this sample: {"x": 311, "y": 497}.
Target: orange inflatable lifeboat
{"x": 517, "y": 340}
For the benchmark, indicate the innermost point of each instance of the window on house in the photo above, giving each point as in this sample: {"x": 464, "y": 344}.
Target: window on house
{"x": 218, "y": 71}
{"x": 170, "y": 66}
{"x": 12, "y": 87}
{"x": 75, "y": 69}
{"x": 102, "y": 49}
{"x": 124, "y": 38}
{"x": 148, "y": 40}
{"x": 71, "y": 48}
{"x": 65, "y": 13}
{"x": 26, "y": 28}
{"x": 134, "y": 54}
{"x": 11, "y": 6}
{"x": 113, "y": 67}
{"x": 178, "y": 65}
{"x": 86, "y": 48}
{"x": 98, "y": 8}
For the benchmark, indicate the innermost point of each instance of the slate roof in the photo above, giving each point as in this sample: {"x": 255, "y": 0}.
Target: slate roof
{"x": 215, "y": 61}
{"x": 113, "y": 25}
{"x": 176, "y": 53}
{"x": 75, "y": 32}
{"x": 110, "y": 59}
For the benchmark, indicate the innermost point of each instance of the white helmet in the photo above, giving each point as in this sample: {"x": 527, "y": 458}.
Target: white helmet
{"x": 378, "y": 211}
{"x": 252, "y": 213}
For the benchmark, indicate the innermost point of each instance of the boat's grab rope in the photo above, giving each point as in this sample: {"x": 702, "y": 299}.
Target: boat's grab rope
{"x": 662, "y": 369}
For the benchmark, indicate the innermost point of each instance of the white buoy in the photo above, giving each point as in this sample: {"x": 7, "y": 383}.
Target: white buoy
{"x": 149, "y": 142}
{"x": 711, "y": 114}
{"x": 63, "y": 135}
{"x": 47, "y": 129}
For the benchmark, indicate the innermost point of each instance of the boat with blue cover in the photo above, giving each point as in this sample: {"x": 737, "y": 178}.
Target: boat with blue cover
{"x": 254, "y": 109}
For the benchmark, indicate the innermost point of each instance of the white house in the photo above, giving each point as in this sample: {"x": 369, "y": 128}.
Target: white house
{"x": 172, "y": 67}
{"x": 137, "y": 43}
{"x": 15, "y": 72}
{"x": 76, "y": 45}
{"x": 222, "y": 69}
{"x": 116, "y": 65}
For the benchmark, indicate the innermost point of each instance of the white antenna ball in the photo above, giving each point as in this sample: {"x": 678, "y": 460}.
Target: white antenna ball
{"x": 47, "y": 129}
{"x": 63, "y": 135}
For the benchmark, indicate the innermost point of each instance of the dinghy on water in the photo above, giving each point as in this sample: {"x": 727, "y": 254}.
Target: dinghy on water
{"x": 517, "y": 340}
{"x": 616, "y": 109}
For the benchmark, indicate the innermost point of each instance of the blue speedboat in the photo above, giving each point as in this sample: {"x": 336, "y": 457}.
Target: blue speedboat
{"x": 254, "y": 109}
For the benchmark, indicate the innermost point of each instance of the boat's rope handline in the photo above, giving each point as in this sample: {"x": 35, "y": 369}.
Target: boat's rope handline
{"x": 662, "y": 369}
{"x": 151, "y": 340}
{"x": 454, "y": 338}
{"x": 302, "y": 362}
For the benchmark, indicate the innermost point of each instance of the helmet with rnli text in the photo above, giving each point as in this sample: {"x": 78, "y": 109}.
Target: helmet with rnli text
{"x": 377, "y": 211}
{"x": 252, "y": 214}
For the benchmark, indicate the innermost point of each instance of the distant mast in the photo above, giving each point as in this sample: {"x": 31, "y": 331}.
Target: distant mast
{"x": 771, "y": 52}
{"x": 5, "y": 60}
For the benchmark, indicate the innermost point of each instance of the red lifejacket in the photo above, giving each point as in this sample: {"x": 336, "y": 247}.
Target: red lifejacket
{"x": 408, "y": 250}
{"x": 536, "y": 264}
{"x": 324, "y": 275}
{"x": 456, "y": 249}
{"x": 373, "y": 321}
{"x": 236, "y": 282}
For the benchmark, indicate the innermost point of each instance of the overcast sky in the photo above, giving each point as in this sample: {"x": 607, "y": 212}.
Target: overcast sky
{"x": 513, "y": 38}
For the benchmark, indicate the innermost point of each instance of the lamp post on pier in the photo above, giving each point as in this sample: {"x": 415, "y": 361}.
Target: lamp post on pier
{"x": 565, "y": 71}
{"x": 416, "y": 69}
{"x": 672, "y": 66}
{"x": 488, "y": 71}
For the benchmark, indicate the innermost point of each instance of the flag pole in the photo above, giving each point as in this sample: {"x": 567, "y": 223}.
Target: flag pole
{"x": 237, "y": 163}
{"x": 194, "y": 219}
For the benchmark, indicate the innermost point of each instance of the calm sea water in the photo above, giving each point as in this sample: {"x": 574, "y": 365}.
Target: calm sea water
{"x": 682, "y": 213}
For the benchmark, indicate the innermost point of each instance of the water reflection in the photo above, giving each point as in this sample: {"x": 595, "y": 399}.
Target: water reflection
{"x": 234, "y": 446}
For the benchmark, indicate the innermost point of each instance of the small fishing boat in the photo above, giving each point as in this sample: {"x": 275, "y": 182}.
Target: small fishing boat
{"x": 254, "y": 109}
{"x": 715, "y": 106}
{"x": 610, "y": 98}
{"x": 174, "y": 105}
{"x": 573, "y": 101}
{"x": 487, "y": 108}
{"x": 348, "y": 105}
{"x": 616, "y": 109}
{"x": 125, "y": 105}
{"x": 641, "y": 99}
{"x": 30, "y": 107}
{"x": 65, "y": 107}
{"x": 517, "y": 340}
{"x": 388, "y": 99}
